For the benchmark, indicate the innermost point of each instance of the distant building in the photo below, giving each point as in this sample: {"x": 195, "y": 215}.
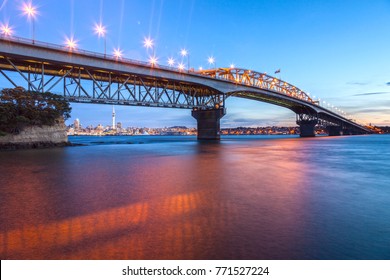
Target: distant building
{"x": 76, "y": 124}
{"x": 99, "y": 129}
{"x": 113, "y": 117}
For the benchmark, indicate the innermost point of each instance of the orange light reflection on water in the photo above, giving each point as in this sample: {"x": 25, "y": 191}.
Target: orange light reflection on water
{"x": 43, "y": 240}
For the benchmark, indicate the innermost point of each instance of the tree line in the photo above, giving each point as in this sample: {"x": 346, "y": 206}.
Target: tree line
{"x": 20, "y": 108}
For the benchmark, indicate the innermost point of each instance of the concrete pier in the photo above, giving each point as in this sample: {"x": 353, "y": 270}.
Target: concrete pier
{"x": 334, "y": 130}
{"x": 307, "y": 128}
{"x": 208, "y": 123}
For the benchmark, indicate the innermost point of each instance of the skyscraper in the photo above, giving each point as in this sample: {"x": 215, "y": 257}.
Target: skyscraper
{"x": 76, "y": 124}
{"x": 113, "y": 117}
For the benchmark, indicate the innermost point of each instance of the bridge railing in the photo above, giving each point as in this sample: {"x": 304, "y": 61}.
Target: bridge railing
{"x": 67, "y": 49}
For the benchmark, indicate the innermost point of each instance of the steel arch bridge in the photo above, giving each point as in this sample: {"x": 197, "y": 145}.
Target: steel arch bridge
{"x": 87, "y": 77}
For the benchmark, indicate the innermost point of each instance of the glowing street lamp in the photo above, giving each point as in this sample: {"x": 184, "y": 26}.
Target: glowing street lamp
{"x": 171, "y": 61}
{"x": 232, "y": 66}
{"x": 153, "y": 60}
{"x": 148, "y": 43}
{"x": 101, "y": 31}
{"x": 181, "y": 66}
{"x": 118, "y": 53}
{"x": 211, "y": 60}
{"x": 30, "y": 11}
{"x": 6, "y": 30}
{"x": 184, "y": 53}
{"x": 71, "y": 43}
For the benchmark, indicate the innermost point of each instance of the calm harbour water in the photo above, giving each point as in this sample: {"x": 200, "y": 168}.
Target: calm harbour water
{"x": 150, "y": 197}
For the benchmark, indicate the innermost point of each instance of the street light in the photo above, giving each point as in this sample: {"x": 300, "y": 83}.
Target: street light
{"x": 71, "y": 43}
{"x": 118, "y": 53}
{"x": 171, "y": 61}
{"x": 148, "y": 43}
{"x": 6, "y": 30}
{"x": 185, "y": 53}
{"x": 211, "y": 60}
{"x": 153, "y": 60}
{"x": 181, "y": 66}
{"x": 101, "y": 31}
{"x": 30, "y": 11}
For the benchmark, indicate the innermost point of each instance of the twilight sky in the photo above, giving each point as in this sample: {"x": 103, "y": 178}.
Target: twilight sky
{"x": 336, "y": 50}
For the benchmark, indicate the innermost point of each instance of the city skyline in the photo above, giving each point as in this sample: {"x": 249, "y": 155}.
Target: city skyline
{"x": 336, "y": 51}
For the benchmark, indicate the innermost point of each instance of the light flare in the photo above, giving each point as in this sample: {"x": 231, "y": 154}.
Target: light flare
{"x": 118, "y": 53}
{"x": 184, "y": 52}
{"x": 211, "y": 60}
{"x": 153, "y": 60}
{"x": 6, "y": 30}
{"x": 180, "y": 66}
{"x": 148, "y": 43}
{"x": 100, "y": 30}
{"x": 71, "y": 43}
{"x": 171, "y": 61}
{"x": 29, "y": 10}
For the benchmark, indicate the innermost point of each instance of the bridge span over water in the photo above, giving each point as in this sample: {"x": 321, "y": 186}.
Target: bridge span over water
{"x": 82, "y": 76}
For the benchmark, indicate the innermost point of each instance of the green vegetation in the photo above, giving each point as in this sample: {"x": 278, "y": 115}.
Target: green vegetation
{"x": 20, "y": 108}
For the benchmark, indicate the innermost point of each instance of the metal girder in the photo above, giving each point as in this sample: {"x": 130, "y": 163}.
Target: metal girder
{"x": 305, "y": 118}
{"x": 257, "y": 79}
{"x": 108, "y": 87}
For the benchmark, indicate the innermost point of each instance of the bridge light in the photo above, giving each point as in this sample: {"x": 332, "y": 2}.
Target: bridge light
{"x": 184, "y": 52}
{"x": 6, "y": 30}
{"x": 181, "y": 66}
{"x": 29, "y": 10}
{"x": 232, "y": 66}
{"x": 71, "y": 43}
{"x": 171, "y": 61}
{"x": 118, "y": 53}
{"x": 100, "y": 30}
{"x": 211, "y": 60}
{"x": 148, "y": 43}
{"x": 200, "y": 68}
{"x": 153, "y": 60}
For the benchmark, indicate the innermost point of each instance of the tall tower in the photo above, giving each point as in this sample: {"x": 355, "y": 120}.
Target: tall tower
{"x": 113, "y": 117}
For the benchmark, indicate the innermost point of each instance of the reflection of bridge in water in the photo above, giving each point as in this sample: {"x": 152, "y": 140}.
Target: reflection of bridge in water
{"x": 88, "y": 77}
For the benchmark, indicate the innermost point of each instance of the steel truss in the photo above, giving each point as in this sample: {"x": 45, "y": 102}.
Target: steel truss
{"x": 307, "y": 118}
{"x": 257, "y": 79}
{"x": 80, "y": 84}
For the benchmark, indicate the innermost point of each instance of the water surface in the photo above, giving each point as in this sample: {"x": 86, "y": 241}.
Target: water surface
{"x": 150, "y": 197}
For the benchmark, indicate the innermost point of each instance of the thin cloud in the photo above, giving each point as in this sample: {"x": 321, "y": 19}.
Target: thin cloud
{"x": 371, "y": 93}
{"x": 3, "y": 4}
{"x": 384, "y": 111}
{"x": 358, "y": 83}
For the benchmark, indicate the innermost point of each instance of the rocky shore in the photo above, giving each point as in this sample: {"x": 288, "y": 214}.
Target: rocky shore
{"x": 34, "y": 137}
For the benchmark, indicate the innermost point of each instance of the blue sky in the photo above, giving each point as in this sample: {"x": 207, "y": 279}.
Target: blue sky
{"x": 336, "y": 50}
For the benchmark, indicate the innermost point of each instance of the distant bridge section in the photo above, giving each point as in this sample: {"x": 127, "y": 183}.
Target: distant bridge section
{"x": 88, "y": 77}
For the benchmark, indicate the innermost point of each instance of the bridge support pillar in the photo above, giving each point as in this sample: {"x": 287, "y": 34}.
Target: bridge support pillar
{"x": 334, "y": 130}
{"x": 307, "y": 128}
{"x": 208, "y": 123}
{"x": 307, "y": 124}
